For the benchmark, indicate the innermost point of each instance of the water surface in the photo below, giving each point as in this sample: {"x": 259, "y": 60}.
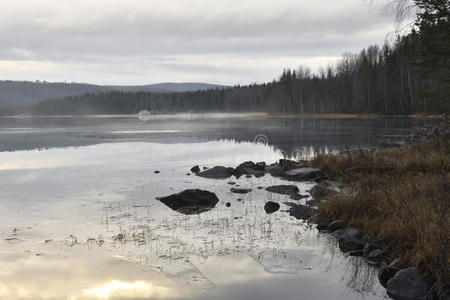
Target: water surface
{"x": 79, "y": 219}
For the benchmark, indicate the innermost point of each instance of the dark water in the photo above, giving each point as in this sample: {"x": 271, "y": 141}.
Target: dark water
{"x": 79, "y": 219}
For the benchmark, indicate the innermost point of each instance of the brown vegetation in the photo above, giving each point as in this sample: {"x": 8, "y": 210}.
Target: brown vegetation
{"x": 400, "y": 196}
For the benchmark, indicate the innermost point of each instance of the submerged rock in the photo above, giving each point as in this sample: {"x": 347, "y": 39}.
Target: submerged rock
{"x": 298, "y": 196}
{"x": 300, "y": 212}
{"x": 283, "y": 189}
{"x": 190, "y": 202}
{"x": 408, "y": 284}
{"x": 218, "y": 172}
{"x": 271, "y": 207}
{"x": 240, "y": 190}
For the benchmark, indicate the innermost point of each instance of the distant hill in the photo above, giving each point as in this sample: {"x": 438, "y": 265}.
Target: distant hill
{"x": 22, "y": 93}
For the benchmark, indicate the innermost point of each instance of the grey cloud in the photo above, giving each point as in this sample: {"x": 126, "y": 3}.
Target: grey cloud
{"x": 114, "y": 35}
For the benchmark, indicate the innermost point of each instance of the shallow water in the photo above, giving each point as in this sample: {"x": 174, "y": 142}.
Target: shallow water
{"x": 79, "y": 219}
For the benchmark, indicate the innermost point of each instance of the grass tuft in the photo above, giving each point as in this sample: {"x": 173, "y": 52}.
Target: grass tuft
{"x": 400, "y": 196}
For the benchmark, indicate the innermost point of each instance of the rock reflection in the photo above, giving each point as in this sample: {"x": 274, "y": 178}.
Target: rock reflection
{"x": 278, "y": 244}
{"x": 360, "y": 276}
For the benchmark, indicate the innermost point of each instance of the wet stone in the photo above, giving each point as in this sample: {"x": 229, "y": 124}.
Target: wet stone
{"x": 300, "y": 212}
{"x": 217, "y": 172}
{"x": 408, "y": 284}
{"x": 283, "y": 189}
{"x": 195, "y": 169}
{"x": 240, "y": 190}
{"x": 190, "y": 202}
{"x": 271, "y": 207}
{"x": 298, "y": 196}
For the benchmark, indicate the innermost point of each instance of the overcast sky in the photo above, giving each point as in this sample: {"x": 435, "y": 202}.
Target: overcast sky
{"x": 149, "y": 41}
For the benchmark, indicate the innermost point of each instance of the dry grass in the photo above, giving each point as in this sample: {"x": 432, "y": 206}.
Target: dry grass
{"x": 320, "y": 116}
{"x": 343, "y": 116}
{"x": 405, "y": 204}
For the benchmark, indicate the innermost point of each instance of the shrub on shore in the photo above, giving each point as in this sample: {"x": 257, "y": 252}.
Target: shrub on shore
{"x": 399, "y": 196}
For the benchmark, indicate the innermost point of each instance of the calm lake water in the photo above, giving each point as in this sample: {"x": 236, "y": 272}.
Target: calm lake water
{"x": 79, "y": 219}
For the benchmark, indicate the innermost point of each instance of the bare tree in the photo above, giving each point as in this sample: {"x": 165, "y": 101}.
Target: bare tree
{"x": 403, "y": 10}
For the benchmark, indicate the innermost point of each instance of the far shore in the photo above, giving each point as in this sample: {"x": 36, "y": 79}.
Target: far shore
{"x": 206, "y": 115}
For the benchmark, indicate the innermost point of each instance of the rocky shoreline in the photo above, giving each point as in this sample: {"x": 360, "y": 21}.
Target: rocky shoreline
{"x": 402, "y": 281}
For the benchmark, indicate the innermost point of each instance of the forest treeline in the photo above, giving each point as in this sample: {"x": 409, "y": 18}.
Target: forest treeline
{"x": 411, "y": 75}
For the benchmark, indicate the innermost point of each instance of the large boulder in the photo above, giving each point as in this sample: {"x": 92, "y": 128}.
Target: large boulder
{"x": 271, "y": 207}
{"x": 284, "y": 189}
{"x": 408, "y": 284}
{"x": 302, "y": 174}
{"x": 190, "y": 202}
{"x": 217, "y": 172}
